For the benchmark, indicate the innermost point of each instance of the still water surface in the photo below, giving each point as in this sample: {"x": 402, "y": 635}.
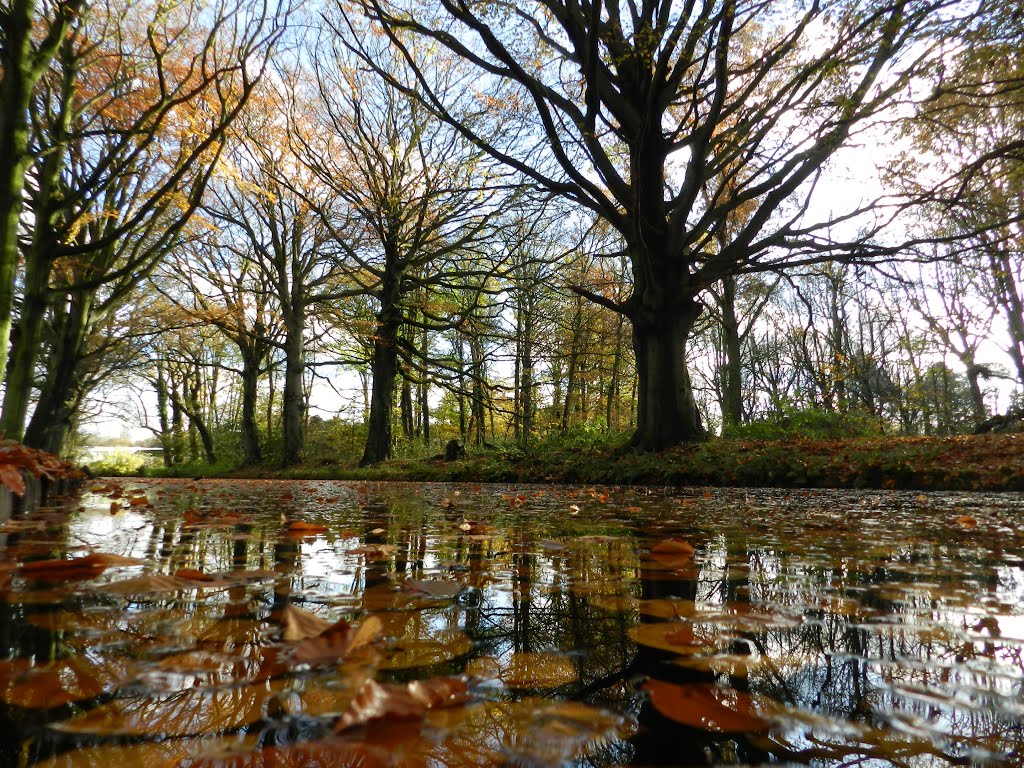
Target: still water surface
{"x": 818, "y": 628}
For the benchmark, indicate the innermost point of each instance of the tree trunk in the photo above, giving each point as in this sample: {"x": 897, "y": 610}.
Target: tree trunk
{"x": 406, "y": 407}
{"x": 292, "y": 402}
{"x": 251, "y": 452}
{"x": 166, "y": 439}
{"x": 667, "y": 413}
{"x": 383, "y": 372}
{"x": 62, "y": 390}
{"x": 732, "y": 378}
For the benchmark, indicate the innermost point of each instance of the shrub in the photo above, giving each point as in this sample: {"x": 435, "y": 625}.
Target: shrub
{"x": 808, "y": 422}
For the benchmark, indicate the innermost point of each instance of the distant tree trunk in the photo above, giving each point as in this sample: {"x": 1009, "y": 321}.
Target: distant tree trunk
{"x": 383, "y": 372}
{"x": 424, "y": 389}
{"x": 478, "y": 402}
{"x": 405, "y": 405}
{"x": 166, "y": 438}
{"x": 251, "y": 451}
{"x": 612, "y": 405}
{"x": 732, "y": 370}
{"x": 526, "y": 382}
{"x": 293, "y": 400}
{"x": 461, "y": 354}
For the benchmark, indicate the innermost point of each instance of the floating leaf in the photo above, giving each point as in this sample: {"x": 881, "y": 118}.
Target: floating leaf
{"x": 147, "y": 754}
{"x": 707, "y": 706}
{"x": 673, "y": 546}
{"x": 671, "y": 636}
{"x": 75, "y": 678}
{"x": 299, "y": 624}
{"x": 187, "y": 713}
{"x": 376, "y": 700}
{"x": 432, "y": 587}
{"x": 72, "y": 569}
{"x": 148, "y": 584}
{"x": 337, "y": 641}
{"x": 11, "y": 479}
{"x": 303, "y": 528}
{"x": 420, "y": 645}
{"x": 526, "y": 670}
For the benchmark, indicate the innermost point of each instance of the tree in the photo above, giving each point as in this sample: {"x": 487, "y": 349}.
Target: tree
{"x": 420, "y": 201}
{"x": 665, "y": 118}
{"x": 128, "y": 126}
{"x": 30, "y": 34}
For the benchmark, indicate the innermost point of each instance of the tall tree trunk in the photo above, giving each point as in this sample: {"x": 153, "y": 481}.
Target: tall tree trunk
{"x": 406, "y": 409}
{"x": 61, "y": 392}
{"x": 21, "y": 66}
{"x": 667, "y": 413}
{"x": 251, "y": 451}
{"x": 732, "y": 371}
{"x": 526, "y": 384}
{"x": 293, "y": 400}
{"x": 166, "y": 439}
{"x": 383, "y": 372}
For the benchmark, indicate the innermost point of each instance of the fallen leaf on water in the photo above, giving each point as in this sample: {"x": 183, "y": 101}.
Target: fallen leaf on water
{"x": 707, "y": 706}
{"x": 146, "y": 584}
{"x": 672, "y": 636}
{"x": 75, "y": 678}
{"x": 337, "y": 641}
{"x": 673, "y": 546}
{"x": 188, "y": 713}
{"x": 192, "y": 574}
{"x": 11, "y": 479}
{"x": 324, "y": 753}
{"x": 432, "y": 587}
{"x": 303, "y": 528}
{"x": 372, "y": 550}
{"x": 379, "y": 700}
{"x": 147, "y": 754}
{"x": 526, "y": 670}
{"x": 966, "y": 521}
{"x": 300, "y": 624}
{"x": 73, "y": 569}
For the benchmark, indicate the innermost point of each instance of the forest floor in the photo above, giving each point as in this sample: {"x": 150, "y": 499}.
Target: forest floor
{"x": 962, "y": 463}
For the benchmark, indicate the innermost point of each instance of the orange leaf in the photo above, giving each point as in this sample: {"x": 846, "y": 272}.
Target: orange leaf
{"x": 388, "y": 700}
{"x": 11, "y": 479}
{"x": 75, "y": 569}
{"x": 706, "y": 706}
{"x": 673, "y": 547}
{"x": 303, "y": 528}
{"x": 192, "y": 575}
{"x": 337, "y": 641}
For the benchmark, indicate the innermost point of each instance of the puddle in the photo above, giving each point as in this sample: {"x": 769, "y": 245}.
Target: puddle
{"x": 257, "y": 623}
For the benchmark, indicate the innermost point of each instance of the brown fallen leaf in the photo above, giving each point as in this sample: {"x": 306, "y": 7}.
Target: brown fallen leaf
{"x": 72, "y": 569}
{"x": 391, "y": 700}
{"x": 300, "y": 625}
{"x": 707, "y": 706}
{"x": 303, "y": 528}
{"x": 673, "y": 546}
{"x": 337, "y": 641}
{"x": 11, "y": 479}
{"x": 432, "y": 587}
{"x": 966, "y": 521}
{"x": 191, "y": 574}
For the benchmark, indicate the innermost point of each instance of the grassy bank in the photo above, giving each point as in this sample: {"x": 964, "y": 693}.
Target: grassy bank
{"x": 973, "y": 462}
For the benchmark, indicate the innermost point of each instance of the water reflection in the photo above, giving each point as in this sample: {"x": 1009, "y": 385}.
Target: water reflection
{"x": 596, "y": 626}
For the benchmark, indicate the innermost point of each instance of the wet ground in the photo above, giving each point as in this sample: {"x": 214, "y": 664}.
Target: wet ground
{"x": 236, "y": 624}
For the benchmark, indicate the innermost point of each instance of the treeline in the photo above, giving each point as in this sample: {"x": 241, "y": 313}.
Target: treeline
{"x": 363, "y": 235}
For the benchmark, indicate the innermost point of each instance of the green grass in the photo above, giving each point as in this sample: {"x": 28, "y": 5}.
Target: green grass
{"x": 976, "y": 463}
